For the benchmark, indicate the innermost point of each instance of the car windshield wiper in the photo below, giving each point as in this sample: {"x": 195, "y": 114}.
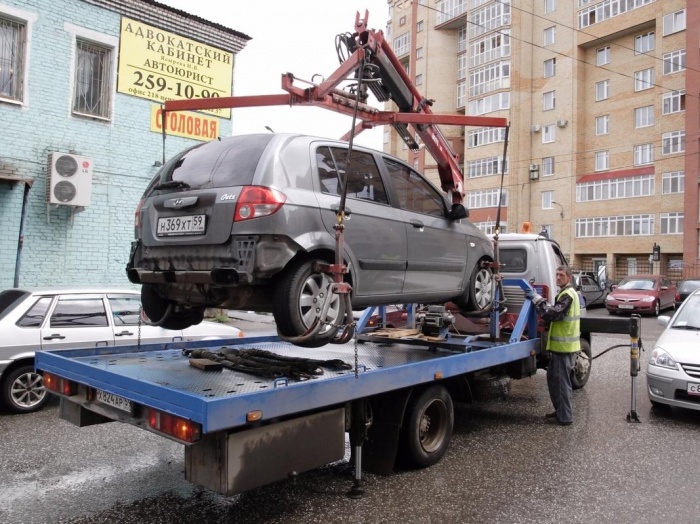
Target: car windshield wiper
{"x": 686, "y": 326}
{"x": 172, "y": 184}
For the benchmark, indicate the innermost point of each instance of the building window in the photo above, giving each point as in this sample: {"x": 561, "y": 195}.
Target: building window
{"x": 489, "y": 77}
{"x": 419, "y": 80}
{"x": 485, "y": 135}
{"x": 12, "y": 58}
{"x": 488, "y": 18}
{"x": 602, "y": 90}
{"x": 548, "y": 133}
{"x": 419, "y": 53}
{"x": 549, "y": 35}
{"x": 606, "y": 9}
{"x": 419, "y": 26}
{"x": 615, "y": 188}
{"x": 548, "y": 166}
{"x": 602, "y": 56}
{"x": 613, "y": 226}
{"x": 674, "y": 62}
{"x": 644, "y": 116}
{"x": 601, "y": 160}
{"x": 93, "y": 82}
{"x": 549, "y": 6}
{"x": 673, "y": 182}
{"x": 602, "y": 125}
{"x": 673, "y": 142}
{"x": 489, "y": 103}
{"x": 644, "y": 79}
{"x": 547, "y": 198}
{"x": 673, "y": 102}
{"x": 387, "y": 134}
{"x": 674, "y": 22}
{"x": 485, "y": 167}
{"x": 644, "y": 43}
{"x": 672, "y": 223}
{"x": 486, "y": 198}
{"x": 402, "y": 44}
{"x": 488, "y": 48}
{"x": 550, "y": 67}
{"x": 548, "y": 100}
{"x": 643, "y": 154}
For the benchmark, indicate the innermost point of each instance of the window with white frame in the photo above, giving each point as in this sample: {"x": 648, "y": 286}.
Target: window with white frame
{"x": 462, "y": 39}
{"x": 13, "y": 56}
{"x": 602, "y": 56}
{"x": 548, "y": 100}
{"x": 402, "y": 44}
{"x": 94, "y": 74}
{"x": 420, "y": 26}
{"x": 672, "y": 223}
{"x": 606, "y": 9}
{"x": 489, "y": 78}
{"x": 547, "y": 198}
{"x": 643, "y": 116}
{"x": 674, "y": 62}
{"x": 602, "y": 125}
{"x": 485, "y": 167}
{"x": 486, "y": 198}
{"x": 548, "y": 166}
{"x": 673, "y": 182}
{"x": 549, "y": 6}
{"x": 673, "y": 102}
{"x": 462, "y": 93}
{"x": 615, "y": 188}
{"x": 602, "y": 90}
{"x": 550, "y": 68}
{"x": 489, "y": 103}
{"x": 462, "y": 66}
{"x": 419, "y": 53}
{"x": 419, "y": 79}
{"x": 601, "y": 160}
{"x": 548, "y": 133}
{"x": 387, "y": 134}
{"x": 673, "y": 142}
{"x": 490, "y": 17}
{"x": 643, "y": 154}
{"x": 489, "y": 48}
{"x": 614, "y": 226}
{"x": 674, "y": 22}
{"x": 549, "y": 35}
{"x": 485, "y": 135}
{"x": 644, "y": 79}
{"x": 644, "y": 43}
{"x": 489, "y": 227}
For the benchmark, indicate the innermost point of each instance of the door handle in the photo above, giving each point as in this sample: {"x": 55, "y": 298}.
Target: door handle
{"x": 417, "y": 224}
{"x": 55, "y": 336}
{"x": 123, "y": 334}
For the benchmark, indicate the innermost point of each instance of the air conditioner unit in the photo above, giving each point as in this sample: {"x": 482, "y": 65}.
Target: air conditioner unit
{"x": 535, "y": 128}
{"x": 69, "y": 180}
{"x": 562, "y": 123}
{"x": 534, "y": 171}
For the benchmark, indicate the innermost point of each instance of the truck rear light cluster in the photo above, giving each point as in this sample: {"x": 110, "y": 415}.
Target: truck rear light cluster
{"x": 60, "y": 385}
{"x": 180, "y": 428}
{"x": 258, "y": 201}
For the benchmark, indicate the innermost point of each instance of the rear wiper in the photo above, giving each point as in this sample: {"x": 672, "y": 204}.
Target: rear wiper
{"x": 172, "y": 184}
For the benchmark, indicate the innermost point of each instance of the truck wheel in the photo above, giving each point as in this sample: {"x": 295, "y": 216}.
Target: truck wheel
{"x": 23, "y": 390}
{"x": 298, "y": 302}
{"x": 582, "y": 366}
{"x": 428, "y": 424}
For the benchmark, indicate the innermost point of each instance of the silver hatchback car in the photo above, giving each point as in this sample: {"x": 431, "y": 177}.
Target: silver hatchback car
{"x": 241, "y": 222}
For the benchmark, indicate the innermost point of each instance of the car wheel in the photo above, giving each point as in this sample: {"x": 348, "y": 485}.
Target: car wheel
{"x": 582, "y": 366}
{"x": 183, "y": 319}
{"x": 298, "y": 301}
{"x": 23, "y": 390}
{"x": 479, "y": 295}
{"x": 657, "y": 309}
{"x": 611, "y": 312}
{"x": 427, "y": 428}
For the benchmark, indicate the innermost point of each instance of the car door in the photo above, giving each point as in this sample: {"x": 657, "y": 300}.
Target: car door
{"x": 374, "y": 230}
{"x": 124, "y": 310}
{"x": 437, "y": 246}
{"x": 77, "y": 321}
{"x": 590, "y": 290}
{"x": 667, "y": 293}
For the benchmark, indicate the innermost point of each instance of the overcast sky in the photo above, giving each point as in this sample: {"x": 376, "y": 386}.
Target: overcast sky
{"x": 289, "y": 36}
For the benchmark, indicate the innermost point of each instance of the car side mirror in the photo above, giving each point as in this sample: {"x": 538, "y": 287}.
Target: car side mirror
{"x": 458, "y": 212}
{"x": 613, "y": 287}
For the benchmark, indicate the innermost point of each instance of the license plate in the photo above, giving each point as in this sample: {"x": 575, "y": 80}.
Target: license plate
{"x": 114, "y": 400}
{"x": 693, "y": 389}
{"x": 184, "y": 225}
{"x": 625, "y": 306}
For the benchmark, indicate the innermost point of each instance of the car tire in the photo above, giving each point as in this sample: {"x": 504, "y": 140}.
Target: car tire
{"x": 582, "y": 367}
{"x": 478, "y": 297}
{"x": 22, "y": 390}
{"x": 657, "y": 309}
{"x": 298, "y": 300}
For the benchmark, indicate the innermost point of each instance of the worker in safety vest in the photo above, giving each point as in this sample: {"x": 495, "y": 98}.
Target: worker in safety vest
{"x": 563, "y": 342}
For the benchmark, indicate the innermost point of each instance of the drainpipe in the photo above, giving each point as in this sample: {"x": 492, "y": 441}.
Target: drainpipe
{"x": 20, "y": 240}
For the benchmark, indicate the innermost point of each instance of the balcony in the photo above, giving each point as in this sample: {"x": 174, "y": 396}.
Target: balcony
{"x": 453, "y": 14}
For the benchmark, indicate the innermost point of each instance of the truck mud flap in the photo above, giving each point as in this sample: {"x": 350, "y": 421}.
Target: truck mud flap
{"x": 380, "y": 449}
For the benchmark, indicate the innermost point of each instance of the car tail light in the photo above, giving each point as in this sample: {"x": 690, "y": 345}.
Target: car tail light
{"x": 677, "y": 298}
{"x": 60, "y": 385}
{"x": 178, "y": 427}
{"x": 137, "y": 215}
{"x": 258, "y": 201}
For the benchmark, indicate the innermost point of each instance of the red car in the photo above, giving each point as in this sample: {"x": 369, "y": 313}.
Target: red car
{"x": 641, "y": 294}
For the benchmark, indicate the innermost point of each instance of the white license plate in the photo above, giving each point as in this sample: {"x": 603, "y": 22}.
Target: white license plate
{"x": 693, "y": 389}
{"x": 184, "y": 225}
{"x": 625, "y": 306}
{"x": 114, "y": 400}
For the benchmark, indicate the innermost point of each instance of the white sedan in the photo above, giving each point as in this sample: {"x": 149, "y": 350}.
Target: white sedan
{"x": 71, "y": 318}
{"x": 673, "y": 373}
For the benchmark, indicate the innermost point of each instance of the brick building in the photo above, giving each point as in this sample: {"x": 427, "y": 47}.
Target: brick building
{"x": 81, "y": 82}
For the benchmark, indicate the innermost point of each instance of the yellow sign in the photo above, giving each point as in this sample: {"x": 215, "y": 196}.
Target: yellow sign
{"x": 159, "y": 66}
{"x": 185, "y": 124}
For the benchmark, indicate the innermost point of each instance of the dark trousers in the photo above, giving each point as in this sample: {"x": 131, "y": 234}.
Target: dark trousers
{"x": 559, "y": 384}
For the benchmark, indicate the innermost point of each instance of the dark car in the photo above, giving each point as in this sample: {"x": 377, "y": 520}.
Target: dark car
{"x": 243, "y": 222}
{"x": 592, "y": 291}
{"x": 685, "y": 288}
{"x": 641, "y": 294}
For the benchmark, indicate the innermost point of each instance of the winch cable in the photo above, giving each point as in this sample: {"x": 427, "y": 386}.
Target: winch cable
{"x": 616, "y": 346}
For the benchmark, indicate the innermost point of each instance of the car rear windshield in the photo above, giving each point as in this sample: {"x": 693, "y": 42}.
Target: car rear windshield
{"x": 219, "y": 163}
{"x": 686, "y": 286}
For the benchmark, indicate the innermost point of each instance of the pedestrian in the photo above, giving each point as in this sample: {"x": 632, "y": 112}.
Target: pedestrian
{"x": 563, "y": 342}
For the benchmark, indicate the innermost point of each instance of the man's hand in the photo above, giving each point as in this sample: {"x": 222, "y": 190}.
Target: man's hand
{"x": 534, "y": 296}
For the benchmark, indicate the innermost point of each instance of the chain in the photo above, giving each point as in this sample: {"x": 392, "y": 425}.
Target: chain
{"x": 138, "y": 340}
{"x": 357, "y": 360}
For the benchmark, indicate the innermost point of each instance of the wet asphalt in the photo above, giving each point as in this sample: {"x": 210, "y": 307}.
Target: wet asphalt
{"x": 505, "y": 464}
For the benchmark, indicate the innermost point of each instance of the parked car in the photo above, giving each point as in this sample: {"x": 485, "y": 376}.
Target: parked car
{"x": 673, "y": 371}
{"x": 41, "y": 319}
{"x": 641, "y": 294}
{"x": 685, "y": 288}
{"x": 593, "y": 292}
{"x": 243, "y": 222}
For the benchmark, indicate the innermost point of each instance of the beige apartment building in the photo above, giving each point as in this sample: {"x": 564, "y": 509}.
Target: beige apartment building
{"x": 602, "y": 100}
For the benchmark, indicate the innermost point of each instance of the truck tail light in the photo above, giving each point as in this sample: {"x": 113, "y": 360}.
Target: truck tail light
{"x": 258, "y": 201}
{"x": 180, "y": 428}
{"x": 542, "y": 290}
{"x": 137, "y": 215}
{"x": 60, "y": 385}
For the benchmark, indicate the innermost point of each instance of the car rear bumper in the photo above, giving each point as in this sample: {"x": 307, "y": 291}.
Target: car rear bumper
{"x": 670, "y": 391}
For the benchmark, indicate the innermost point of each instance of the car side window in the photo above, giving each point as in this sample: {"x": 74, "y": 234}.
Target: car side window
{"x": 79, "y": 312}
{"x": 35, "y": 316}
{"x": 414, "y": 193}
{"x": 364, "y": 181}
{"x": 125, "y": 310}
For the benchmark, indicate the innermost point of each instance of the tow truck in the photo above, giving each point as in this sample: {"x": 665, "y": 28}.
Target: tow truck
{"x": 244, "y": 410}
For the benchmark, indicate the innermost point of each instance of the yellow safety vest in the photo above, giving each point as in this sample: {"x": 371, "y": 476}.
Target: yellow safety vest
{"x": 565, "y": 334}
